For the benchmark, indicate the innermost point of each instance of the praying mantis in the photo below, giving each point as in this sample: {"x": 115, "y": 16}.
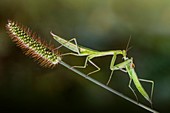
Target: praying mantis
{"x": 126, "y": 66}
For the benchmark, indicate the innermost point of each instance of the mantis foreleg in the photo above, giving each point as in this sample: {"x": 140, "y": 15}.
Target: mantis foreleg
{"x": 111, "y": 68}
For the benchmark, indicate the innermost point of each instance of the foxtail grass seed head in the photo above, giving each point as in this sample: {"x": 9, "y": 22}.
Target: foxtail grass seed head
{"x": 32, "y": 45}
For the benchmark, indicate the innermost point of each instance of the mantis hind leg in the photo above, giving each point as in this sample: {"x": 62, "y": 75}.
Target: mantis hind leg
{"x": 130, "y": 81}
{"x": 88, "y": 58}
{"x": 75, "y": 41}
{"x": 85, "y": 64}
{"x": 98, "y": 69}
{"x": 65, "y": 54}
{"x": 149, "y": 81}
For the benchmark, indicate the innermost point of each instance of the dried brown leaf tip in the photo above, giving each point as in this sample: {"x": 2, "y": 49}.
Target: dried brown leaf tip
{"x": 32, "y": 45}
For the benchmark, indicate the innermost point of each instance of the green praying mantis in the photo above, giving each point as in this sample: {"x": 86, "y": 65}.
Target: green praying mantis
{"x": 126, "y": 66}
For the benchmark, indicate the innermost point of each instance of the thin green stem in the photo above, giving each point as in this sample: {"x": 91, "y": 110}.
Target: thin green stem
{"x": 107, "y": 88}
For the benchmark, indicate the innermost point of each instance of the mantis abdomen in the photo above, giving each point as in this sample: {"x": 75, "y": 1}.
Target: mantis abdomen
{"x": 138, "y": 85}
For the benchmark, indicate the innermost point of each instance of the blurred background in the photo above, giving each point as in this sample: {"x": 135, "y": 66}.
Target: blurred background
{"x": 98, "y": 24}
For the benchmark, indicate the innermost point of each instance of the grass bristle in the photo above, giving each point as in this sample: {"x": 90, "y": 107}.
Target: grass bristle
{"x": 32, "y": 45}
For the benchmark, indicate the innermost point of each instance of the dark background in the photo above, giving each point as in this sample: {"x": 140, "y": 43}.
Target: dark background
{"x": 99, "y": 24}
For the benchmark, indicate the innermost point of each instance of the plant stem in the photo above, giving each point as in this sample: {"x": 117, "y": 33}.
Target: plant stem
{"x": 107, "y": 88}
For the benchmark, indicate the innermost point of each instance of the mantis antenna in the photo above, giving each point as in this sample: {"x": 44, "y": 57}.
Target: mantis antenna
{"x": 127, "y": 46}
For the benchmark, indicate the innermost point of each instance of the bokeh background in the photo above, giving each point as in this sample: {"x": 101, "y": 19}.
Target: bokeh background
{"x": 99, "y": 24}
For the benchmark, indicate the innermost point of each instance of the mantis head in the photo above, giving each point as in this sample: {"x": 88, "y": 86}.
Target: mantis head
{"x": 124, "y": 53}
